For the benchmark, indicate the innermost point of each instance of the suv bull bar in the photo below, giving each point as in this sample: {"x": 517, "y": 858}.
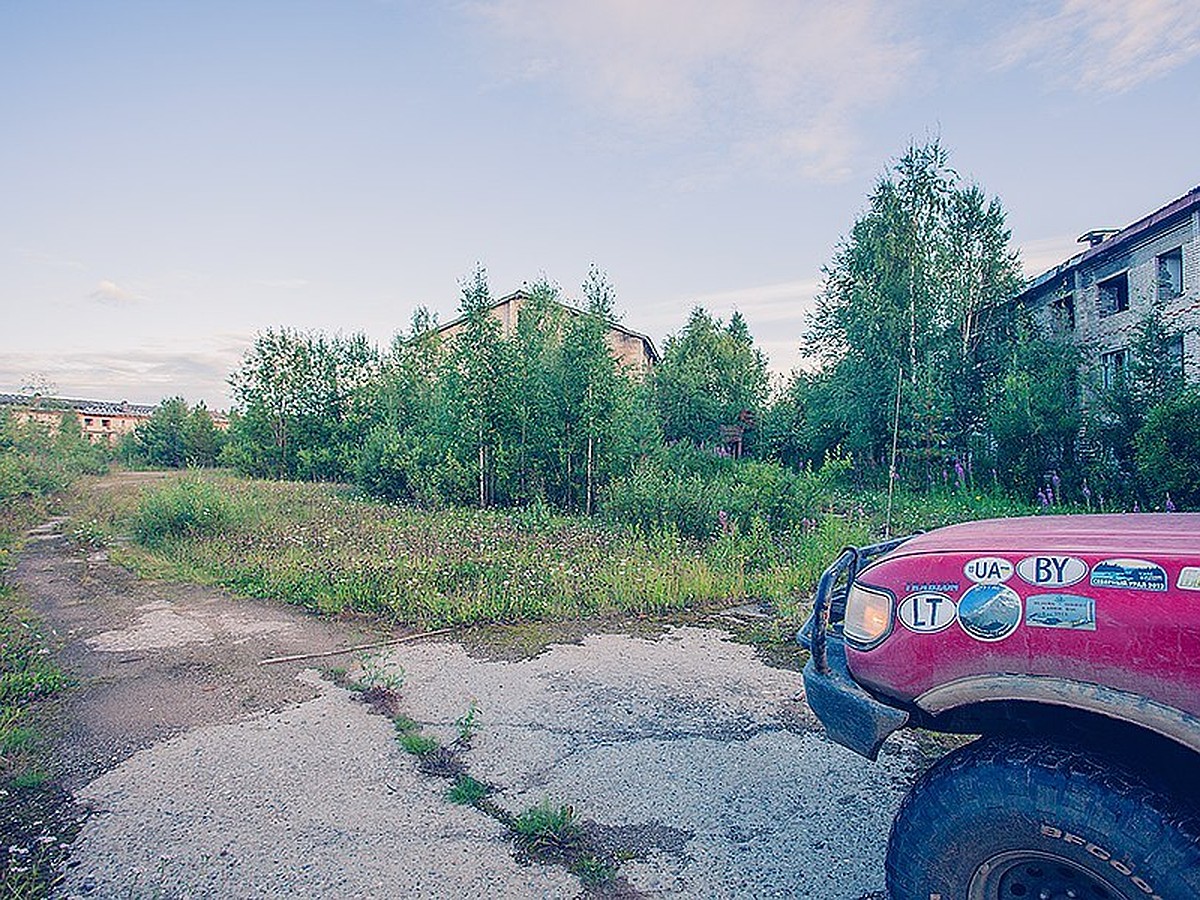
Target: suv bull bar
{"x": 852, "y": 717}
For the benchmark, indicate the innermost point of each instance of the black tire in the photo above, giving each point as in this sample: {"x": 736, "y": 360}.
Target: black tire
{"x": 1007, "y": 819}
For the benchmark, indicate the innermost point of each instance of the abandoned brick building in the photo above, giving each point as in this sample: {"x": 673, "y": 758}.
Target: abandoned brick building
{"x": 1100, "y": 296}
{"x": 631, "y": 349}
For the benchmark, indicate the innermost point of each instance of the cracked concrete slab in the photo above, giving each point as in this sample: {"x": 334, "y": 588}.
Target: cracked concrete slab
{"x": 689, "y": 732}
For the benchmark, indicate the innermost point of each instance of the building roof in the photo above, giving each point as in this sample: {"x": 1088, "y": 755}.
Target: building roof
{"x": 84, "y": 407}
{"x": 1121, "y": 238}
{"x": 522, "y": 294}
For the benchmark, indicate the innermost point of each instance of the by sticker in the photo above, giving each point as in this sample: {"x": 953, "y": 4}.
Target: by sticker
{"x": 989, "y": 612}
{"x": 1129, "y": 574}
{"x": 1189, "y": 578}
{"x": 1068, "y": 611}
{"x": 1052, "y": 571}
{"x": 926, "y": 612}
{"x": 988, "y": 570}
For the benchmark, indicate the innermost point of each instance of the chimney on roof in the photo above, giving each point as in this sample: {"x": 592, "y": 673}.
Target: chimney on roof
{"x": 1096, "y": 236}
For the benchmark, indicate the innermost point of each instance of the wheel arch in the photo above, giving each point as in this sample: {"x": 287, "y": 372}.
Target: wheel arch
{"x": 1000, "y": 703}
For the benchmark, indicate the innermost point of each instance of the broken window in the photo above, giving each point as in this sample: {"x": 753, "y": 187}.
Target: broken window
{"x": 1114, "y": 294}
{"x": 1170, "y": 274}
{"x": 1064, "y": 312}
{"x": 1174, "y": 353}
{"x": 1113, "y": 367}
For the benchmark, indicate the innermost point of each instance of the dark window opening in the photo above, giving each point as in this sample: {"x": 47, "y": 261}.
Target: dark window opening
{"x": 1113, "y": 367}
{"x": 1114, "y": 294}
{"x": 104, "y": 423}
{"x": 1170, "y": 274}
{"x": 1064, "y": 310}
{"x": 87, "y": 421}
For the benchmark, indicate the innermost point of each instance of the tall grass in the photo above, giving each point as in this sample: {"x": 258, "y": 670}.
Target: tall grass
{"x": 322, "y": 548}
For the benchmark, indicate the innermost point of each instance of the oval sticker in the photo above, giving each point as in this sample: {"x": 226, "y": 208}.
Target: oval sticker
{"x": 989, "y": 612}
{"x": 926, "y": 612}
{"x": 1052, "y": 571}
{"x": 988, "y": 570}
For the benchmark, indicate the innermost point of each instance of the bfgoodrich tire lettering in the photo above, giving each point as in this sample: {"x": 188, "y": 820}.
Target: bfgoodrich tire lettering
{"x": 992, "y": 811}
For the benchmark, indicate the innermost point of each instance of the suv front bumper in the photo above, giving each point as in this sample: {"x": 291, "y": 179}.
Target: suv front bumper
{"x": 851, "y": 716}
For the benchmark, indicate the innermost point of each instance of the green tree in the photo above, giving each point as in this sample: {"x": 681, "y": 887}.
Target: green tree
{"x": 1167, "y": 449}
{"x": 710, "y": 375}
{"x": 907, "y": 307}
{"x": 162, "y": 439}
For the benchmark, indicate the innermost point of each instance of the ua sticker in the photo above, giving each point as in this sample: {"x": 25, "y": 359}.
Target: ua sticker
{"x": 926, "y": 612}
{"x": 988, "y": 570}
{"x": 1189, "y": 578}
{"x": 1060, "y": 611}
{"x": 1052, "y": 571}
{"x": 989, "y": 612}
{"x": 1130, "y": 575}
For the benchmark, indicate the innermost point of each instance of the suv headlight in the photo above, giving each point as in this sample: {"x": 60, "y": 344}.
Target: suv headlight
{"x": 868, "y": 615}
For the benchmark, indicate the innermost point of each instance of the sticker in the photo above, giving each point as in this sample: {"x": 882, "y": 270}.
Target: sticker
{"x": 989, "y": 612}
{"x": 1060, "y": 611}
{"x": 1189, "y": 578}
{"x": 938, "y": 587}
{"x": 926, "y": 612}
{"x": 1052, "y": 571}
{"x": 1130, "y": 574}
{"x": 988, "y": 570}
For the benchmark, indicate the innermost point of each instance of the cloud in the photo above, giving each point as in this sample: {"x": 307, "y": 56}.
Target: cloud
{"x": 1045, "y": 253}
{"x": 776, "y": 314}
{"x": 769, "y": 78}
{"x": 138, "y": 375}
{"x": 48, "y": 259}
{"x": 1106, "y": 45}
{"x": 112, "y": 294}
{"x": 290, "y": 284}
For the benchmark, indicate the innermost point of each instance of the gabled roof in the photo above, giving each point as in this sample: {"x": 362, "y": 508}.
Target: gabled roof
{"x": 1167, "y": 215}
{"x": 522, "y": 294}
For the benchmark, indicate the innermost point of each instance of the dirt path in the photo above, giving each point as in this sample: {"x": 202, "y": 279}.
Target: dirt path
{"x": 210, "y": 775}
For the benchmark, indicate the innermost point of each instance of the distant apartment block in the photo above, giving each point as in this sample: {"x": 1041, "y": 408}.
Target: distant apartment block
{"x": 100, "y": 421}
{"x": 1098, "y": 297}
{"x": 632, "y": 350}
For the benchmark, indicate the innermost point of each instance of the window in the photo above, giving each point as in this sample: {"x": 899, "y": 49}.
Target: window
{"x": 1113, "y": 366}
{"x": 1170, "y": 274}
{"x": 1114, "y": 294}
{"x": 87, "y": 421}
{"x": 1064, "y": 311}
{"x": 1174, "y": 353}
{"x": 104, "y": 423}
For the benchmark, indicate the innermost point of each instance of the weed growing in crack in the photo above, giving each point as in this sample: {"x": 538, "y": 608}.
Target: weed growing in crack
{"x": 408, "y": 733}
{"x": 592, "y": 870}
{"x": 375, "y": 676}
{"x": 467, "y": 724}
{"x": 547, "y": 829}
{"x": 466, "y": 791}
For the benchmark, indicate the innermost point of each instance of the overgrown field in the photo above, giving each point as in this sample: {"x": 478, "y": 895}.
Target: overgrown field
{"x": 324, "y": 548}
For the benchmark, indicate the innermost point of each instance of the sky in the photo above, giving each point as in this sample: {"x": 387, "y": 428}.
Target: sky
{"x": 178, "y": 176}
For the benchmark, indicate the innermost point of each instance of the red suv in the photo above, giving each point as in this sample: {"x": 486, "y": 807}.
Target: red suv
{"x": 1072, "y": 645}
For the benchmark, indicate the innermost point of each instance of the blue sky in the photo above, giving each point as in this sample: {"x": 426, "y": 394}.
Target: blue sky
{"x": 175, "y": 176}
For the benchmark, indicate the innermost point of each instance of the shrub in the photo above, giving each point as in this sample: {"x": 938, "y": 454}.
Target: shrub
{"x": 1168, "y": 451}
{"x": 187, "y": 508}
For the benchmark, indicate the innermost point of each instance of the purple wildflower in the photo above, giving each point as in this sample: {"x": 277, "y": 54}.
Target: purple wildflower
{"x": 1170, "y": 505}
{"x": 961, "y": 473}
{"x": 1042, "y": 499}
{"x": 1136, "y": 506}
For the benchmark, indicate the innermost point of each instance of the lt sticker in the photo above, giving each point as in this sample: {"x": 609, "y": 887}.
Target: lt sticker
{"x": 1052, "y": 571}
{"x": 926, "y": 612}
{"x": 1060, "y": 611}
{"x": 989, "y": 612}
{"x": 1130, "y": 575}
{"x": 988, "y": 570}
{"x": 1189, "y": 578}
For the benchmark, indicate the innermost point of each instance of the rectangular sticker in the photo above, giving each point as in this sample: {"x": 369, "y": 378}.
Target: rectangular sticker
{"x": 1129, "y": 574}
{"x": 1060, "y": 611}
{"x": 1189, "y": 578}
